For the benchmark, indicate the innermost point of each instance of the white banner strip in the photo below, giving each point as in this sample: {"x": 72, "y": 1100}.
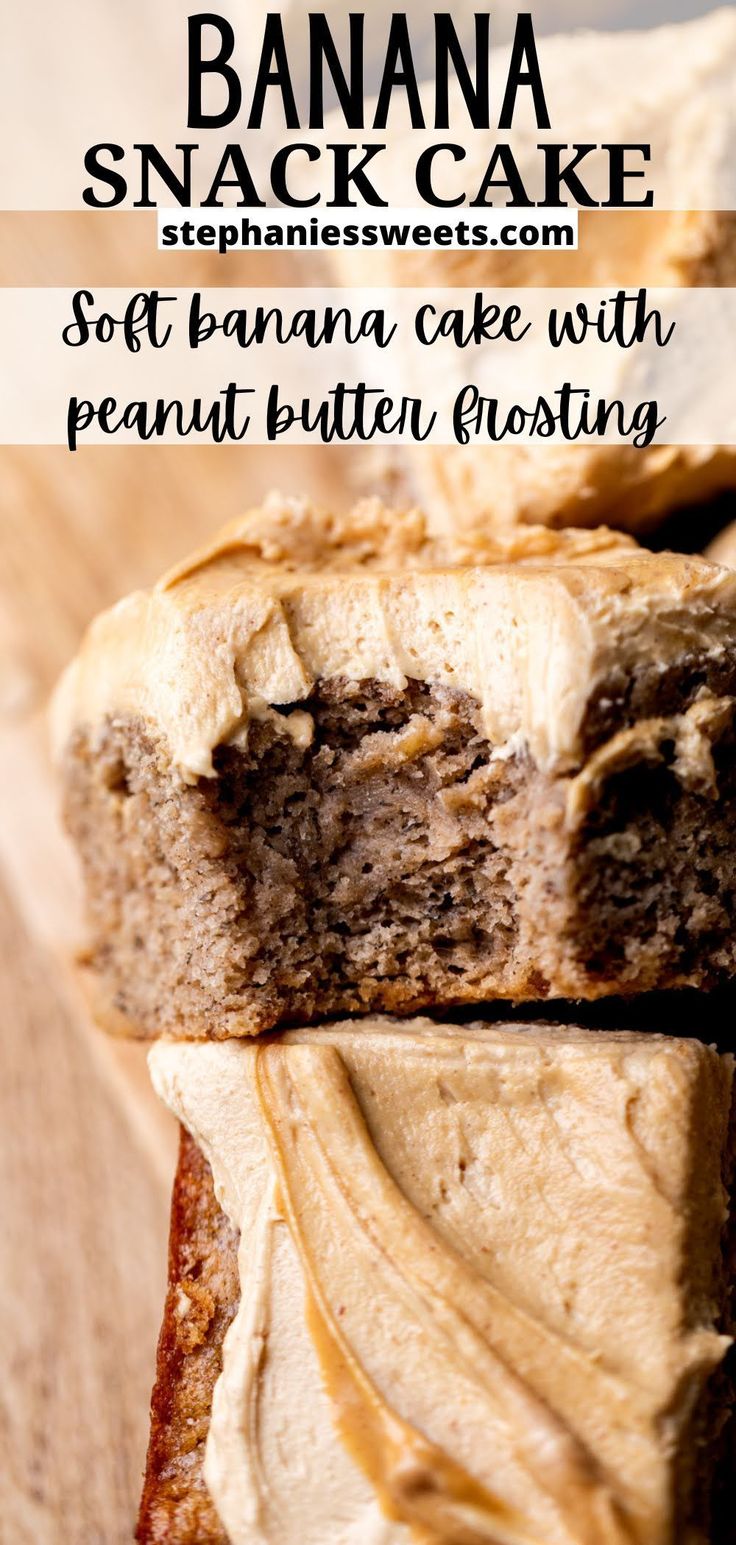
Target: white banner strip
{"x": 290, "y": 366}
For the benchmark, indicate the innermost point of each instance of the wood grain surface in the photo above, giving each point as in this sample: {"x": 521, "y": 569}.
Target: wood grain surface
{"x": 86, "y": 1152}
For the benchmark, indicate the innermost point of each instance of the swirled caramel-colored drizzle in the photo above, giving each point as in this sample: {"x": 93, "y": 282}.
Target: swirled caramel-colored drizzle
{"x": 416, "y": 1481}
{"x": 479, "y": 1267}
{"x": 341, "y": 1204}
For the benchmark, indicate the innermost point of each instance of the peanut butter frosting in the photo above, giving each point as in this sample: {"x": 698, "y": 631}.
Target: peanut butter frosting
{"x": 529, "y": 623}
{"x": 723, "y": 547}
{"x": 505, "y": 485}
{"x": 668, "y": 87}
{"x": 678, "y": 97}
{"x": 478, "y": 1272}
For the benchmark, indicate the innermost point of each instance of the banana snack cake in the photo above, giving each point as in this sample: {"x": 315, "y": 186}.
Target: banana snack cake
{"x": 333, "y": 766}
{"x": 458, "y": 1284}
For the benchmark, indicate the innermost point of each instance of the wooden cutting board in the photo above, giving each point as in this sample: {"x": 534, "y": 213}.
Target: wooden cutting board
{"x": 86, "y": 1152}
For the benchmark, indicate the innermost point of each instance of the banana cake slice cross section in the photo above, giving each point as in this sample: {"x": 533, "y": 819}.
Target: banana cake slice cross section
{"x": 339, "y": 765}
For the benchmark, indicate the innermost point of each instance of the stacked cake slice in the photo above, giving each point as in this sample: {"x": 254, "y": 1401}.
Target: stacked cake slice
{"x": 477, "y": 1282}
{"x": 448, "y": 1282}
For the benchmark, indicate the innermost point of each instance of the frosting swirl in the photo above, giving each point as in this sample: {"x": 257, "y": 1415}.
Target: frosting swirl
{"x": 469, "y": 1313}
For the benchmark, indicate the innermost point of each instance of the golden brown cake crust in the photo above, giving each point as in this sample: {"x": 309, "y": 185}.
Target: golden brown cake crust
{"x": 202, "y": 1297}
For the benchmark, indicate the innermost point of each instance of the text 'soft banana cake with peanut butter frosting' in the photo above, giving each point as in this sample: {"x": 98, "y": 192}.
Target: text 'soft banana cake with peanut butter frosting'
{"x": 458, "y": 1285}
{"x": 337, "y": 765}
